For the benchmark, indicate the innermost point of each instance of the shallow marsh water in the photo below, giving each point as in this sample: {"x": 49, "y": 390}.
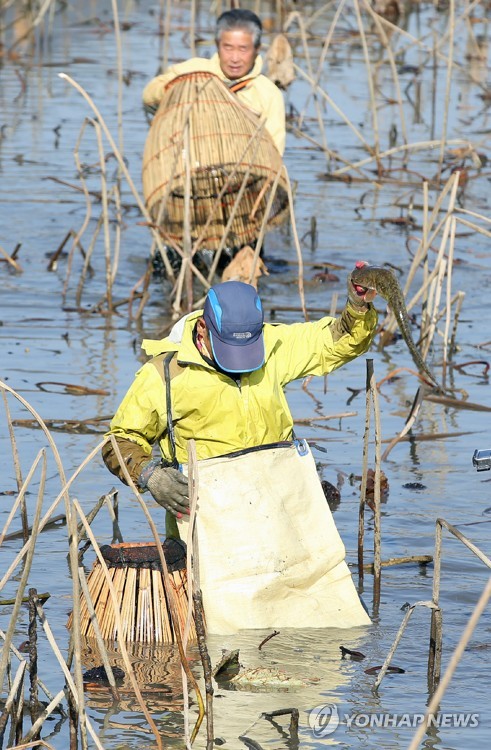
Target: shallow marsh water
{"x": 42, "y": 342}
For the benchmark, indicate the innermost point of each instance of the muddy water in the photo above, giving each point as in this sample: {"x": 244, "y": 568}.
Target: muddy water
{"x": 44, "y": 341}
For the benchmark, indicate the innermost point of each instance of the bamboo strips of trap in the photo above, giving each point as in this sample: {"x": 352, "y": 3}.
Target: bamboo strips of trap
{"x": 225, "y": 147}
{"x": 144, "y": 608}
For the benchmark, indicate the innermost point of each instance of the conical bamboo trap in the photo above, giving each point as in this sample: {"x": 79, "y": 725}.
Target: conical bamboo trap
{"x": 138, "y": 580}
{"x": 225, "y": 148}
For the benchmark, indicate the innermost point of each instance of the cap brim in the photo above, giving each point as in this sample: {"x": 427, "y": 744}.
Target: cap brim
{"x": 239, "y": 358}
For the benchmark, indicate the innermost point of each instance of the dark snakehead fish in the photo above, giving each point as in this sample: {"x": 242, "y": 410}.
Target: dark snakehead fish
{"x": 385, "y": 283}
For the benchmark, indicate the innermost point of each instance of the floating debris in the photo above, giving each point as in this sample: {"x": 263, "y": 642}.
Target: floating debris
{"x": 263, "y": 677}
{"x": 99, "y": 674}
{"x": 353, "y": 655}
{"x": 390, "y": 670}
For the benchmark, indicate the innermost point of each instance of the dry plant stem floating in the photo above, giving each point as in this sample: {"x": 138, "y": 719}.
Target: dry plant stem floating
{"x": 449, "y": 672}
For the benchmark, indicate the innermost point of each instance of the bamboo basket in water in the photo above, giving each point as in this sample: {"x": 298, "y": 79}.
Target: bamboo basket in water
{"x": 138, "y": 579}
{"x": 225, "y": 149}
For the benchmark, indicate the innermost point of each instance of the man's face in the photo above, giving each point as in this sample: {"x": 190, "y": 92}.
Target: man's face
{"x": 237, "y": 53}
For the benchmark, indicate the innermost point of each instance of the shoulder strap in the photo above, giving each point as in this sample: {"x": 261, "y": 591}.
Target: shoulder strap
{"x": 168, "y": 402}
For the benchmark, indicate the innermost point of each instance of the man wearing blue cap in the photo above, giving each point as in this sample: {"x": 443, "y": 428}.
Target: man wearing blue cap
{"x": 219, "y": 379}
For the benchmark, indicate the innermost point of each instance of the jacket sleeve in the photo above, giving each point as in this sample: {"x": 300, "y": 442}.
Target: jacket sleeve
{"x": 152, "y": 93}
{"x": 318, "y": 348}
{"x": 275, "y": 118}
{"x": 138, "y": 423}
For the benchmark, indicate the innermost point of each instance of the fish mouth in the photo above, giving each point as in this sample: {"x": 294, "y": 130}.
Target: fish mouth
{"x": 360, "y": 290}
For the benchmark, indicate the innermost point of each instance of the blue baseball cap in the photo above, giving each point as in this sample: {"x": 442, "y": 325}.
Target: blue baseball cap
{"x": 234, "y": 318}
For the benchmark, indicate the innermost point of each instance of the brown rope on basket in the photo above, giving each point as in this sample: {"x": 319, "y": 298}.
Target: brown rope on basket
{"x": 223, "y": 142}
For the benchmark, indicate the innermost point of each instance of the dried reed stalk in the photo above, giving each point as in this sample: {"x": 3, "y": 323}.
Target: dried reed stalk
{"x": 119, "y": 626}
{"x": 262, "y": 231}
{"x": 168, "y": 589}
{"x": 371, "y": 401}
{"x": 296, "y": 16}
{"x": 17, "y": 686}
{"x": 122, "y": 165}
{"x": 371, "y": 89}
{"x": 100, "y": 643}
{"x": 119, "y": 67}
{"x": 18, "y": 474}
{"x": 20, "y": 497}
{"x": 42, "y": 12}
{"x": 452, "y": 665}
{"x": 419, "y": 146}
{"x": 392, "y": 63}
{"x": 253, "y": 143}
{"x": 322, "y": 57}
{"x": 298, "y": 249}
{"x": 41, "y": 684}
{"x": 69, "y": 679}
{"x": 448, "y": 306}
{"x": 448, "y": 86}
{"x": 340, "y": 112}
{"x": 25, "y": 573}
{"x": 65, "y": 486}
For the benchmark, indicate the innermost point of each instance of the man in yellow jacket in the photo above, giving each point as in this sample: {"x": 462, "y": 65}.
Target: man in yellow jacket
{"x": 222, "y": 384}
{"x": 238, "y": 64}
{"x": 270, "y": 554}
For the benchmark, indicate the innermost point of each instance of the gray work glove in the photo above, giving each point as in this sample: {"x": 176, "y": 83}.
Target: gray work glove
{"x": 358, "y": 296}
{"x": 170, "y": 489}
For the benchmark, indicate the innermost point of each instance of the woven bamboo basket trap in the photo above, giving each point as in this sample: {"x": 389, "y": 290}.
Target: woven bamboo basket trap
{"x": 225, "y": 150}
{"x": 138, "y": 579}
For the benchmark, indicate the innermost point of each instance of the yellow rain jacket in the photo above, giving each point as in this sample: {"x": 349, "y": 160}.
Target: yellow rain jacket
{"x": 222, "y": 415}
{"x": 260, "y": 93}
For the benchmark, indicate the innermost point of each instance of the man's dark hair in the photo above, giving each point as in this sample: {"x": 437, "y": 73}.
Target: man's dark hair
{"x": 239, "y": 18}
